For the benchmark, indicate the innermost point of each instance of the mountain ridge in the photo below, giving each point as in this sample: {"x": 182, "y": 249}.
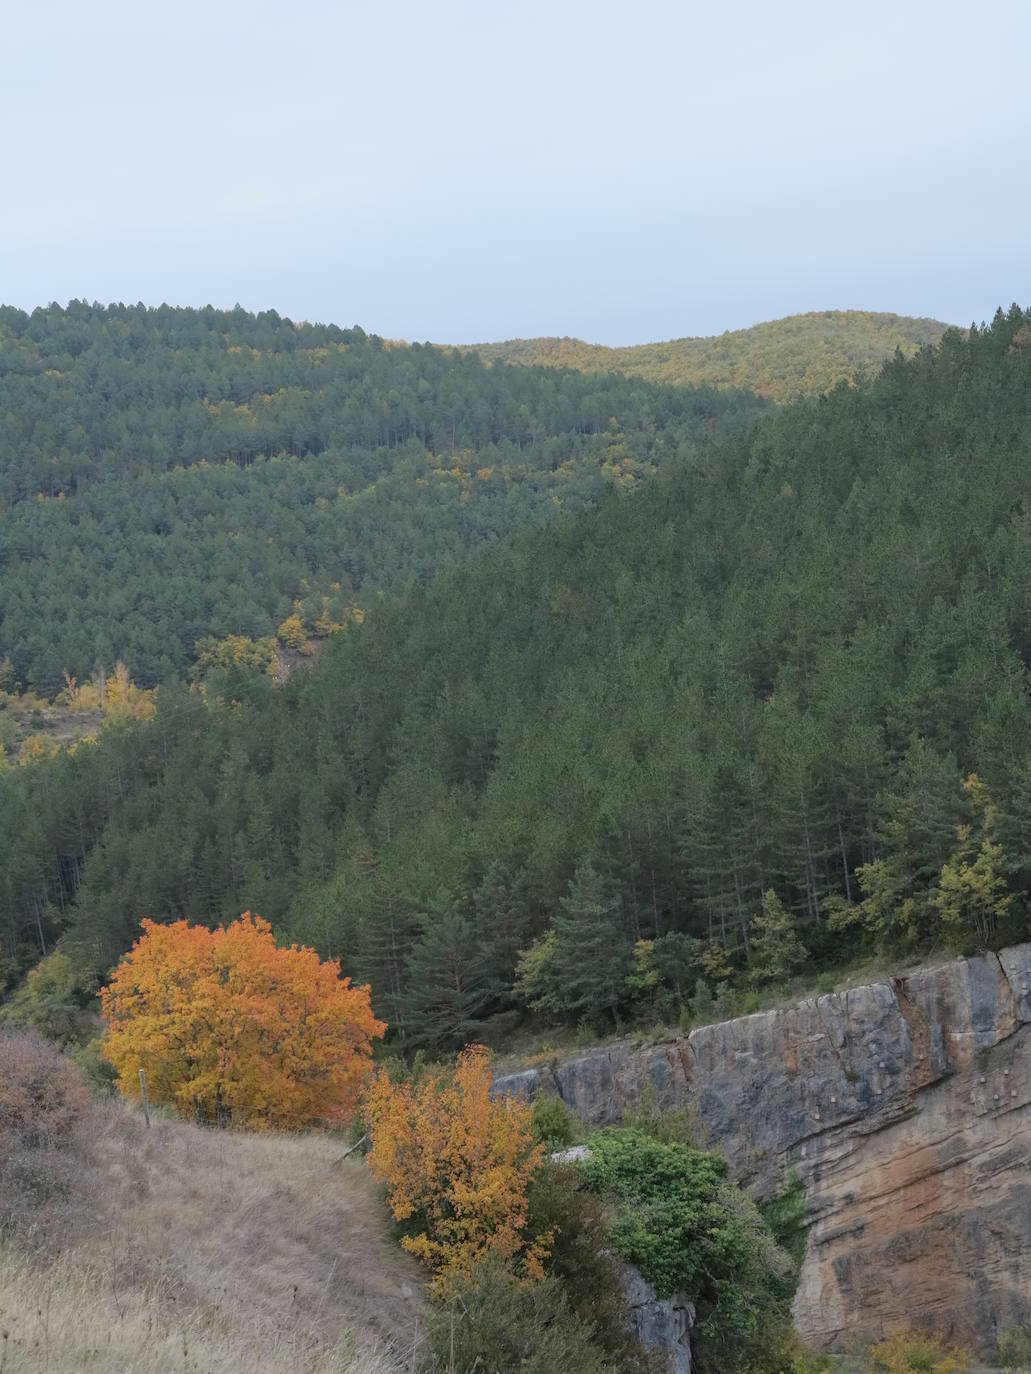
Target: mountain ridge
{"x": 797, "y": 354}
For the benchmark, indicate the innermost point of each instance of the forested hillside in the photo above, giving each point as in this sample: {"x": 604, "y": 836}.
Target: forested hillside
{"x": 798, "y": 356}
{"x": 172, "y": 474}
{"x": 733, "y": 713}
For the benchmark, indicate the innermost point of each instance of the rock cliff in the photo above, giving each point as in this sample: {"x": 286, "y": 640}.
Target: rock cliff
{"x": 905, "y": 1109}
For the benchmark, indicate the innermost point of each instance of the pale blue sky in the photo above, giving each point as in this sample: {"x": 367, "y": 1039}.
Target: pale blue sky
{"x": 461, "y": 171}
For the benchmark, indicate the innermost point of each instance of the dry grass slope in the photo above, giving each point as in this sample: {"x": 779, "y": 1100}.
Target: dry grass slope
{"x": 182, "y": 1249}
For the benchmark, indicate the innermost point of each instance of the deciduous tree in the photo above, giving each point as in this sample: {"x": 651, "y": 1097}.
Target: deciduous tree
{"x": 457, "y": 1165}
{"x": 229, "y": 1026}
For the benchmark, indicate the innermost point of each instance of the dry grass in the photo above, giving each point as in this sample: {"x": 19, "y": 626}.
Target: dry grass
{"x": 189, "y": 1250}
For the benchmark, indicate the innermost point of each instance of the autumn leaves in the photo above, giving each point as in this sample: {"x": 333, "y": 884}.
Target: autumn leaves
{"x": 229, "y": 1027}
{"x": 457, "y": 1166}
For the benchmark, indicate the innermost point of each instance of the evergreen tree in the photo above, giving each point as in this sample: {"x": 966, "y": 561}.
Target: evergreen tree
{"x": 777, "y": 950}
{"x": 448, "y": 978}
{"x": 586, "y": 955}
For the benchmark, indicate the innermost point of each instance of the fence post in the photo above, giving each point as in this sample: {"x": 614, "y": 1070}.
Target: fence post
{"x": 143, "y": 1095}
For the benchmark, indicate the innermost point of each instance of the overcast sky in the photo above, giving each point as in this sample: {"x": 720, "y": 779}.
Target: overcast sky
{"x": 435, "y": 169}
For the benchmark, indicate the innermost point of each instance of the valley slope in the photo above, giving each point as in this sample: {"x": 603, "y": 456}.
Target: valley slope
{"x": 771, "y": 670}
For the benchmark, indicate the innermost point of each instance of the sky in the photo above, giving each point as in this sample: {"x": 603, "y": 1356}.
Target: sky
{"x": 460, "y": 172}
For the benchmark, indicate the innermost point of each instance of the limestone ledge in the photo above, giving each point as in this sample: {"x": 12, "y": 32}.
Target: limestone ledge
{"x": 905, "y": 1108}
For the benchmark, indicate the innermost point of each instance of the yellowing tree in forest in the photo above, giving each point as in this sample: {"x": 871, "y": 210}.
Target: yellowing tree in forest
{"x": 457, "y": 1166}
{"x": 230, "y": 1027}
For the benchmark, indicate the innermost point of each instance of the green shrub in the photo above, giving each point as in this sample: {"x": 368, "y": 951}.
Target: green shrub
{"x": 495, "y": 1323}
{"x": 689, "y": 1229}
{"x": 56, "y": 999}
{"x": 785, "y": 1215}
{"x": 96, "y": 1071}
{"x": 554, "y": 1125}
{"x": 582, "y": 1260}
{"x": 673, "y": 1125}
{"x": 1014, "y": 1349}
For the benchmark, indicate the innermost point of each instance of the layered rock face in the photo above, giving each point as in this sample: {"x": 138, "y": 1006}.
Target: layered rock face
{"x": 905, "y": 1109}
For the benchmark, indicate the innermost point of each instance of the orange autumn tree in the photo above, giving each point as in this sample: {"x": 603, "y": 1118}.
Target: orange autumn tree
{"x": 230, "y": 1027}
{"x": 457, "y": 1166}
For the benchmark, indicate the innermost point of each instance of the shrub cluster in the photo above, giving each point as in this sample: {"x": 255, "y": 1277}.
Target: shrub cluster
{"x": 494, "y": 1323}
{"x": 689, "y": 1229}
{"x": 42, "y": 1098}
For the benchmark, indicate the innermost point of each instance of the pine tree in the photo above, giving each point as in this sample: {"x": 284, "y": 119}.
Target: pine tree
{"x": 591, "y": 957}
{"x": 449, "y": 979}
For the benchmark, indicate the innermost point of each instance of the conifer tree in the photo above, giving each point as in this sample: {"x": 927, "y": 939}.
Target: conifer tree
{"x": 448, "y": 976}
{"x": 580, "y": 967}
{"x": 777, "y": 950}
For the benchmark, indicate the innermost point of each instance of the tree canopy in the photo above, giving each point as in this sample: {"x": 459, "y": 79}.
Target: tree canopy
{"x": 169, "y": 475}
{"x": 768, "y": 670}
{"x": 802, "y": 355}
{"x": 229, "y": 1027}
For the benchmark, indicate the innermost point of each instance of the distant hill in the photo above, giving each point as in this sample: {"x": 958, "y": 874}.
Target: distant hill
{"x": 172, "y": 474}
{"x": 799, "y": 355}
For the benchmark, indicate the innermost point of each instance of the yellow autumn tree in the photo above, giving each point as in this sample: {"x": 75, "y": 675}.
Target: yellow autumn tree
{"x": 123, "y": 700}
{"x": 229, "y": 1026}
{"x": 292, "y": 633}
{"x": 457, "y": 1165}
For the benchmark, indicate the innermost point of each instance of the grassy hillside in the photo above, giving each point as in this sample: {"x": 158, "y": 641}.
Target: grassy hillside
{"x": 177, "y": 1248}
{"x": 799, "y": 355}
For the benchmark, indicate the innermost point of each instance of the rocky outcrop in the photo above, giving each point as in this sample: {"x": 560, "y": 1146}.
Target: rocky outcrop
{"x": 904, "y": 1107}
{"x": 663, "y": 1324}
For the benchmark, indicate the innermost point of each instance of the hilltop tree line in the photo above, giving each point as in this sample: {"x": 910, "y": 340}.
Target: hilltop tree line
{"x": 802, "y": 355}
{"x": 172, "y": 474}
{"x": 760, "y": 713}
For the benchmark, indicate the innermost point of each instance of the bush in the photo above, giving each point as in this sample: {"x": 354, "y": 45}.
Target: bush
{"x": 554, "y": 1125}
{"x": 495, "y": 1323}
{"x": 41, "y": 1094}
{"x": 904, "y": 1354}
{"x": 582, "y": 1259}
{"x": 56, "y": 1000}
{"x": 1014, "y": 1349}
{"x": 42, "y": 1098}
{"x": 98, "y": 1074}
{"x": 689, "y": 1229}
{"x": 672, "y": 1125}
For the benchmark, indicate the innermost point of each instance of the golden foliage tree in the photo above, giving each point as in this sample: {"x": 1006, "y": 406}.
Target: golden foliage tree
{"x": 230, "y": 1027}
{"x": 457, "y": 1165}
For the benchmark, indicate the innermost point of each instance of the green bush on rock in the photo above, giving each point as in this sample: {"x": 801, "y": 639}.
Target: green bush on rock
{"x": 689, "y": 1229}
